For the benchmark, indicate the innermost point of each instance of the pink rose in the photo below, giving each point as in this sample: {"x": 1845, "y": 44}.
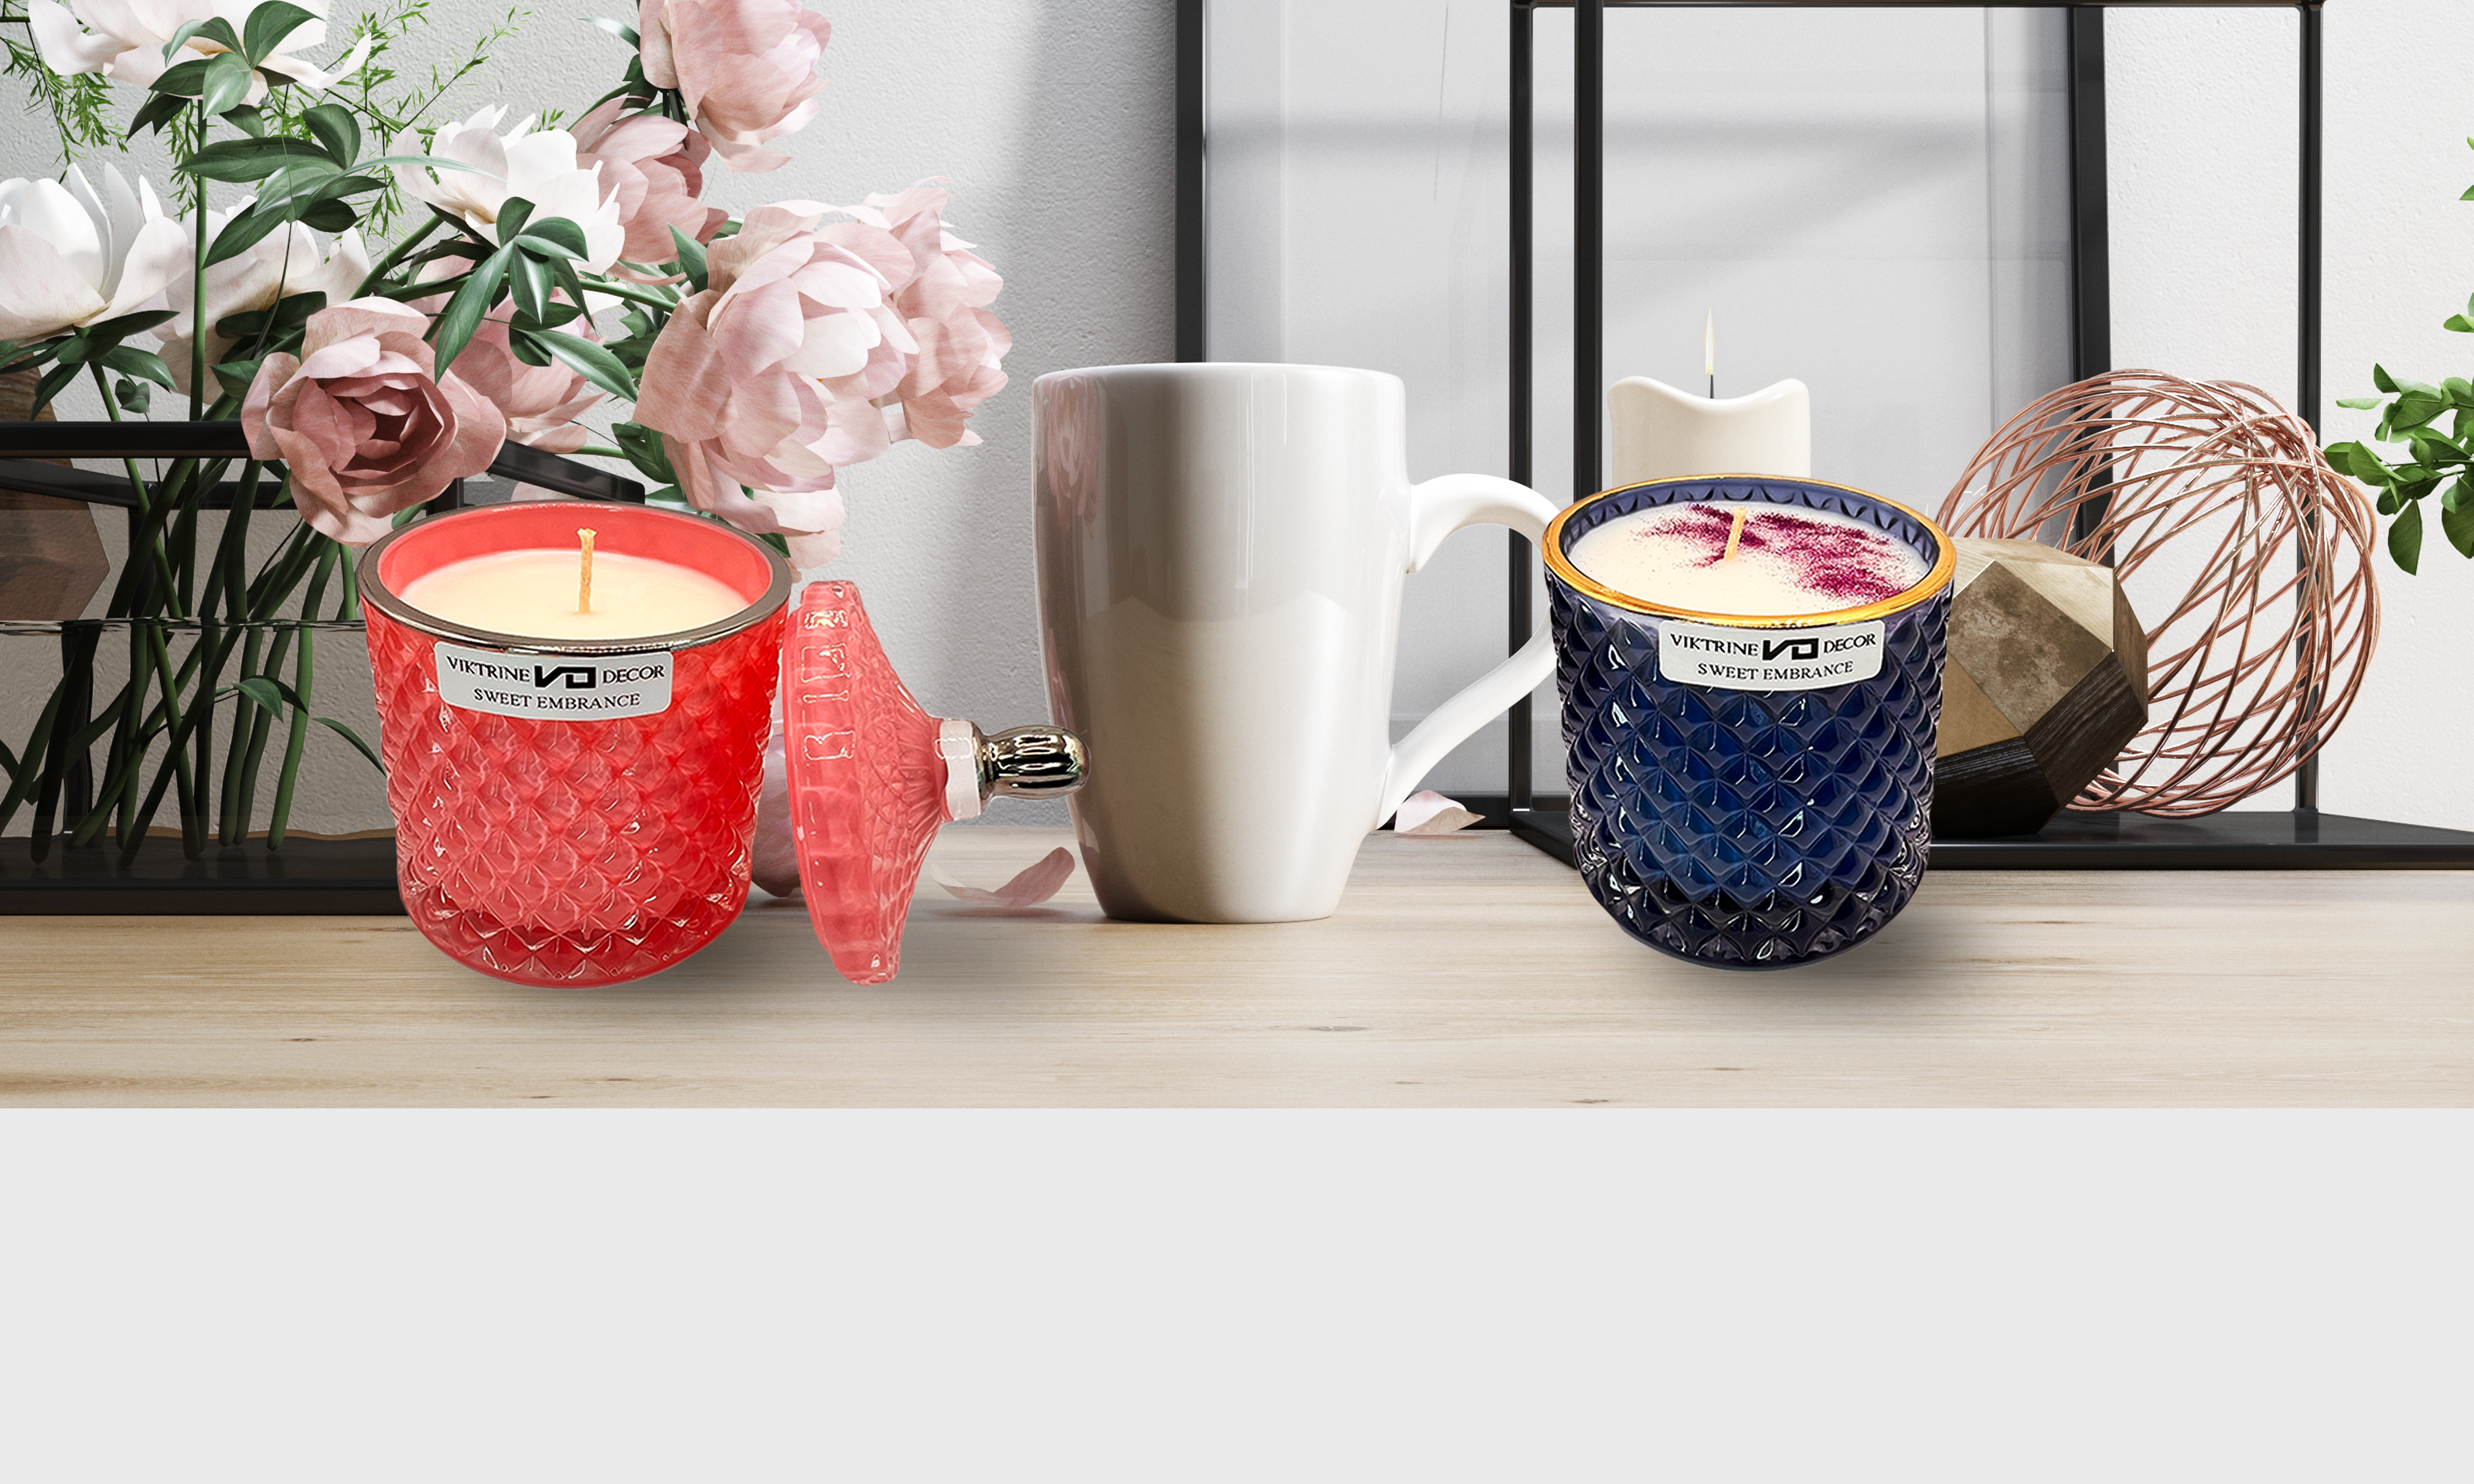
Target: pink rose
{"x": 944, "y": 304}
{"x": 766, "y": 378}
{"x": 655, "y": 168}
{"x": 747, "y": 69}
{"x": 364, "y": 428}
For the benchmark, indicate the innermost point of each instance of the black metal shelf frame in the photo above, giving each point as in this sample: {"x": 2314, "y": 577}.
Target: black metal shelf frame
{"x": 2296, "y": 840}
{"x": 310, "y": 875}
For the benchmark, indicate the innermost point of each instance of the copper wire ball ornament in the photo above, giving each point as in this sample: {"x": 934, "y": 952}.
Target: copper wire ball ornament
{"x": 2254, "y": 666}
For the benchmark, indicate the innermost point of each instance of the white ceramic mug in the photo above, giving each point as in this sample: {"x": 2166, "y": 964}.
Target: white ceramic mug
{"x": 1221, "y": 554}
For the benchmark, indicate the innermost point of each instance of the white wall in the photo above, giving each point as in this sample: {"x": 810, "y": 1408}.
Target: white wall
{"x": 2203, "y": 162}
{"x": 1053, "y": 122}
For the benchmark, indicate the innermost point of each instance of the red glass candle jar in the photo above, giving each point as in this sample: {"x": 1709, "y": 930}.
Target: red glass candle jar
{"x": 573, "y": 812}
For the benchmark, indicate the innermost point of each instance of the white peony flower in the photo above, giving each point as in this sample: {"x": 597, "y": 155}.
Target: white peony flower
{"x": 68, "y": 260}
{"x": 535, "y": 165}
{"x": 291, "y": 259}
{"x": 126, "y": 39}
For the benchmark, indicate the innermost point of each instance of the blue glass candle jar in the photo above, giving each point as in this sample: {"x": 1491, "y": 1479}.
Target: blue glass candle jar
{"x": 1750, "y": 791}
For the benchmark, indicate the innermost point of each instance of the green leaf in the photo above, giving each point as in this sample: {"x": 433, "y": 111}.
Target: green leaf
{"x": 2379, "y": 373}
{"x": 642, "y": 447}
{"x": 330, "y": 216}
{"x": 337, "y": 188}
{"x": 336, "y": 131}
{"x": 268, "y": 25}
{"x": 214, "y": 28}
{"x": 2414, "y": 408}
{"x": 129, "y": 360}
{"x": 2458, "y": 322}
{"x": 187, "y": 81}
{"x": 242, "y": 233}
{"x": 2343, "y": 401}
{"x": 158, "y": 109}
{"x": 2388, "y": 504}
{"x": 238, "y": 161}
{"x": 2461, "y": 391}
{"x": 2457, "y": 518}
{"x": 454, "y": 329}
{"x": 133, "y": 396}
{"x": 513, "y": 213}
{"x": 354, "y": 737}
{"x": 2404, "y": 538}
{"x": 115, "y": 331}
{"x": 268, "y": 692}
{"x": 528, "y": 283}
{"x": 690, "y": 258}
{"x": 57, "y": 377}
{"x": 623, "y": 32}
{"x": 236, "y": 377}
{"x": 290, "y": 314}
{"x": 592, "y": 362}
{"x": 229, "y": 80}
{"x": 566, "y": 238}
{"x": 248, "y": 120}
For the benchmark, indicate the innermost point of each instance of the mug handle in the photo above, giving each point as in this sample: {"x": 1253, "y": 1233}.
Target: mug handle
{"x": 1436, "y": 509}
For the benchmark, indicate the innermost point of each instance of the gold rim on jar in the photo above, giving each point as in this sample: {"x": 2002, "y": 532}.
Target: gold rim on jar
{"x": 1945, "y": 565}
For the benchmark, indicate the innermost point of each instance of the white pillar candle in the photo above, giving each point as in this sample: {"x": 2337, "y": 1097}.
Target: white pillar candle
{"x": 535, "y": 592}
{"x": 1661, "y": 433}
{"x": 1787, "y": 560}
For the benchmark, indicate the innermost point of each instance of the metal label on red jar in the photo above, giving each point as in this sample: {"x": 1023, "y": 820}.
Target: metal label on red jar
{"x": 554, "y": 687}
{"x": 1770, "y": 659}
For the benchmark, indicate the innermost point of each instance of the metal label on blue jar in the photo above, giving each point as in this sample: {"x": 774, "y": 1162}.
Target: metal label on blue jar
{"x": 1769, "y": 658}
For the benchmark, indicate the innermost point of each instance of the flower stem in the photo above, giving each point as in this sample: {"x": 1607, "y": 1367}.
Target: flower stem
{"x": 630, "y": 292}
{"x": 197, "y": 326}
{"x": 305, "y": 672}
{"x": 395, "y": 254}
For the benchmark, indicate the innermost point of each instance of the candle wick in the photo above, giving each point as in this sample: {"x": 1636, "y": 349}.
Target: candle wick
{"x": 1735, "y": 532}
{"x": 584, "y": 580}
{"x": 1710, "y": 351}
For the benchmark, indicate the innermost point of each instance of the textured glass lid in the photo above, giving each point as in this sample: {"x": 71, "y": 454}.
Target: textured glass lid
{"x": 867, "y": 785}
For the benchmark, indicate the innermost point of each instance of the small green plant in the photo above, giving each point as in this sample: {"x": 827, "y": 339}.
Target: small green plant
{"x": 2434, "y": 462}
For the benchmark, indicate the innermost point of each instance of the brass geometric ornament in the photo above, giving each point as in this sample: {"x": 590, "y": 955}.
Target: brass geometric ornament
{"x": 2047, "y": 682}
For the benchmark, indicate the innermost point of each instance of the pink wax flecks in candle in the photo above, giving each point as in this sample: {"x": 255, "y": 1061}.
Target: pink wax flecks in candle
{"x": 1790, "y": 560}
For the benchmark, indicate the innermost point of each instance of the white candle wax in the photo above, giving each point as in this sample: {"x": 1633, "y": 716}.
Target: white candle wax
{"x": 1789, "y": 560}
{"x": 534, "y": 592}
{"x": 1661, "y": 433}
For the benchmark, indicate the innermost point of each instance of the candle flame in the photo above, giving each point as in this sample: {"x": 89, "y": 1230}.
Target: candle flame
{"x": 1709, "y": 349}
{"x": 1736, "y": 532}
{"x": 584, "y": 577}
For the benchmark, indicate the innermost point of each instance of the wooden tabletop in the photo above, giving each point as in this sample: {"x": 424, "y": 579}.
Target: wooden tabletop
{"x": 1468, "y": 970}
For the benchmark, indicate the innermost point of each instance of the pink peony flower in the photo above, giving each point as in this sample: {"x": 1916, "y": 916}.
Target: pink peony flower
{"x": 654, "y": 167}
{"x": 747, "y": 69}
{"x": 766, "y": 378}
{"x": 813, "y": 347}
{"x": 541, "y": 403}
{"x": 361, "y": 424}
{"x": 944, "y": 304}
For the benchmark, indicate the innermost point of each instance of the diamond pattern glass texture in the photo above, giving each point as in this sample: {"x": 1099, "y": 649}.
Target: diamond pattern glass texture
{"x": 572, "y": 853}
{"x": 1748, "y": 830}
